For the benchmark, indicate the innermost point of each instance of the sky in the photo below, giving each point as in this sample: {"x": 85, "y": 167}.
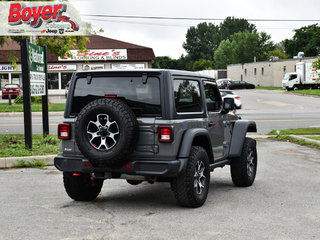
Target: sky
{"x": 167, "y": 36}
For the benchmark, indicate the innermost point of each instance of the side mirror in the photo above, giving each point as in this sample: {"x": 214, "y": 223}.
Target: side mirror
{"x": 228, "y": 105}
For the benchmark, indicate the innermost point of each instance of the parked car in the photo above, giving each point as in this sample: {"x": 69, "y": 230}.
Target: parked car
{"x": 240, "y": 85}
{"x": 151, "y": 125}
{"x": 230, "y": 94}
{"x": 67, "y": 89}
{"x": 11, "y": 89}
{"x": 223, "y": 83}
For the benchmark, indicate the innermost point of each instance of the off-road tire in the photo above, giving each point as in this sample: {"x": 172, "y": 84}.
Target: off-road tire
{"x": 244, "y": 168}
{"x": 83, "y": 187}
{"x": 127, "y": 127}
{"x": 184, "y": 185}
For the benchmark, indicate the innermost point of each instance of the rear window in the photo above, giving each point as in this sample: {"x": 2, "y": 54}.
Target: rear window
{"x": 11, "y": 86}
{"x": 142, "y": 98}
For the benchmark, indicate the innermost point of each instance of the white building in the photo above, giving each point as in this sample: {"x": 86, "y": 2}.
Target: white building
{"x": 267, "y": 74}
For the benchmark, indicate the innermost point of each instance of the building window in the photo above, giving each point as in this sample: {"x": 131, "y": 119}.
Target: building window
{"x": 65, "y": 78}
{"x": 16, "y": 78}
{"x": 262, "y": 71}
{"x": 245, "y": 72}
{"x": 255, "y": 71}
{"x": 4, "y": 78}
{"x": 53, "y": 81}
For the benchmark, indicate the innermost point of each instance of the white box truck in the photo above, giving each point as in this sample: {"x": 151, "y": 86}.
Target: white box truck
{"x": 304, "y": 77}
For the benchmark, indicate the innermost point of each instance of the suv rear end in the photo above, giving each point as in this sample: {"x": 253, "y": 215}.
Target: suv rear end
{"x": 144, "y": 92}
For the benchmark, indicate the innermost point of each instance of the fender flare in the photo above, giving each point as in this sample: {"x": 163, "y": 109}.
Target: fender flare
{"x": 240, "y": 129}
{"x": 187, "y": 140}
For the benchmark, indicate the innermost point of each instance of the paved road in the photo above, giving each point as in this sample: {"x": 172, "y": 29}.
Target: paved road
{"x": 283, "y": 203}
{"x": 279, "y": 110}
{"x": 270, "y": 109}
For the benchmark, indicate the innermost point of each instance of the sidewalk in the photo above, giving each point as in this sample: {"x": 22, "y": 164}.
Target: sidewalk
{"x": 10, "y": 162}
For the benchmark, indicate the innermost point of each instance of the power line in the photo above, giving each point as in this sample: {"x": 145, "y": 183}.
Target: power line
{"x": 140, "y": 23}
{"x": 196, "y": 19}
{"x": 175, "y": 25}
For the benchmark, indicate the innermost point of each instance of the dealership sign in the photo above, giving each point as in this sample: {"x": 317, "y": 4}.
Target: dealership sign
{"x": 40, "y": 18}
{"x": 37, "y": 63}
{"x": 96, "y": 55}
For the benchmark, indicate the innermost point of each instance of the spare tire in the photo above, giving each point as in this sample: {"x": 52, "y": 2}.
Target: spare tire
{"x": 106, "y": 131}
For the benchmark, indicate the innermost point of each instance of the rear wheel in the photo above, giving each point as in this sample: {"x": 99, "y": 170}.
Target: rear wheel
{"x": 82, "y": 187}
{"x": 192, "y": 186}
{"x": 244, "y": 168}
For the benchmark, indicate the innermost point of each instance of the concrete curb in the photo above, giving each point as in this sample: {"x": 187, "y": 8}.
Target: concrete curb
{"x": 20, "y": 114}
{"x": 306, "y": 139}
{"x": 10, "y": 162}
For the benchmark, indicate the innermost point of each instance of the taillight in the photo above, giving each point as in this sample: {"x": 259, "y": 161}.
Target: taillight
{"x": 64, "y": 131}
{"x": 165, "y": 134}
{"x": 110, "y": 95}
{"x": 237, "y": 97}
{"x": 67, "y": 89}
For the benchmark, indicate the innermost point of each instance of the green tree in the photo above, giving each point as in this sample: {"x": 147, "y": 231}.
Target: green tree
{"x": 278, "y": 52}
{"x": 243, "y": 47}
{"x": 202, "y": 41}
{"x": 232, "y": 25}
{"x": 305, "y": 39}
{"x": 202, "y": 64}
{"x": 224, "y": 55}
{"x": 184, "y": 63}
{"x": 164, "y": 62}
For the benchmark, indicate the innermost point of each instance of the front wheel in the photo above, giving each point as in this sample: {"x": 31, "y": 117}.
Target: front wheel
{"x": 244, "y": 168}
{"x": 81, "y": 187}
{"x": 192, "y": 186}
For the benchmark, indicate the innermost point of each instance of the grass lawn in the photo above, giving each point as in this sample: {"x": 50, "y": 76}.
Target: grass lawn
{"x": 315, "y": 92}
{"x": 12, "y": 145}
{"x": 35, "y": 107}
{"x": 298, "y": 131}
{"x": 269, "y": 88}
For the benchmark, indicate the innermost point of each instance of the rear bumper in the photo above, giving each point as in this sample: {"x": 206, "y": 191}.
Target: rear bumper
{"x": 161, "y": 168}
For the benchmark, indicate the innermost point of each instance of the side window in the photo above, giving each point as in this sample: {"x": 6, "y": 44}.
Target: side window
{"x": 187, "y": 96}
{"x": 294, "y": 76}
{"x": 213, "y": 98}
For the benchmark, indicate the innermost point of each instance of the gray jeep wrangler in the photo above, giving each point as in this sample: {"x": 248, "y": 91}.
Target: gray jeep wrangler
{"x": 151, "y": 125}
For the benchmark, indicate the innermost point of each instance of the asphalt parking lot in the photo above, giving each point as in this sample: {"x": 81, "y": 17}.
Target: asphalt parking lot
{"x": 283, "y": 203}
